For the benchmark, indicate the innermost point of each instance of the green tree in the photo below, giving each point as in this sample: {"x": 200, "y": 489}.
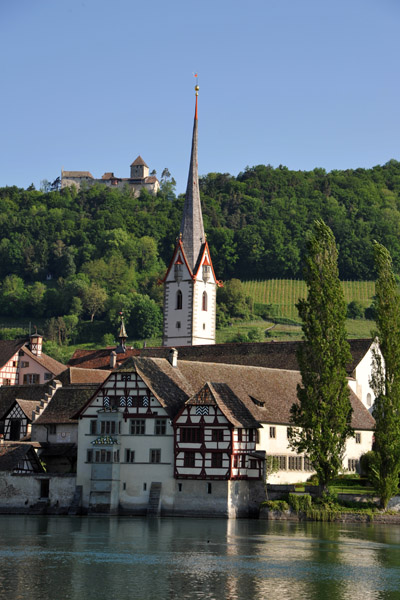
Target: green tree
{"x": 145, "y": 319}
{"x": 94, "y": 299}
{"x": 321, "y": 420}
{"x": 385, "y": 379}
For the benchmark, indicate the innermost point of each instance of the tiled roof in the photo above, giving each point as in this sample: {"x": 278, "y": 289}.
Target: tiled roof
{"x": 274, "y": 355}
{"x": 150, "y": 179}
{"x": 8, "y": 348}
{"x": 65, "y": 403}
{"x": 77, "y": 174}
{"x": 108, "y": 176}
{"x": 77, "y": 376}
{"x": 11, "y": 455}
{"x": 221, "y": 395}
{"x": 52, "y": 365}
{"x": 9, "y": 394}
{"x": 99, "y": 359}
{"x": 27, "y": 407}
{"x": 139, "y": 161}
{"x": 274, "y": 390}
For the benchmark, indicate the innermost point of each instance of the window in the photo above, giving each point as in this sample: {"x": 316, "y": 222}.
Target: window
{"x": 155, "y": 455}
{"x": 204, "y": 301}
{"x": 272, "y": 432}
{"x": 89, "y": 456}
{"x": 129, "y": 455}
{"x": 216, "y": 460}
{"x": 190, "y": 435}
{"x": 307, "y": 464}
{"x": 107, "y": 427}
{"x": 217, "y": 435}
{"x": 116, "y": 456}
{"x": 179, "y": 300}
{"x": 24, "y": 364}
{"x": 243, "y": 461}
{"x": 103, "y": 456}
{"x": 178, "y": 324}
{"x": 189, "y": 459}
{"x": 209, "y": 488}
{"x": 251, "y": 435}
{"x": 52, "y": 429}
{"x": 15, "y": 363}
{"x": 280, "y": 462}
{"x": 240, "y": 435}
{"x": 30, "y": 378}
{"x": 144, "y": 487}
{"x": 138, "y": 427}
{"x": 204, "y": 325}
{"x": 93, "y": 427}
{"x": 47, "y": 376}
{"x": 253, "y": 463}
{"x": 358, "y": 438}
{"x": 125, "y": 377}
{"x": 369, "y": 399}
{"x": 179, "y": 487}
{"x": 352, "y": 464}
{"x": 295, "y": 463}
{"x": 160, "y": 427}
{"x": 6, "y": 381}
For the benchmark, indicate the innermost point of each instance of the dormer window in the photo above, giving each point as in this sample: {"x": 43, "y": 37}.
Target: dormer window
{"x": 178, "y": 271}
{"x": 206, "y": 272}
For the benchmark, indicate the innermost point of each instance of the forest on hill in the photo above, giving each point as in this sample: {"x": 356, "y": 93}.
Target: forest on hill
{"x": 89, "y": 254}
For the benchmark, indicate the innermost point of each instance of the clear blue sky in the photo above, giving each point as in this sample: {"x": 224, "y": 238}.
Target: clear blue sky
{"x": 90, "y": 84}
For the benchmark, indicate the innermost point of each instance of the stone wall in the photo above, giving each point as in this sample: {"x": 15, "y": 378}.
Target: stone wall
{"x": 36, "y": 492}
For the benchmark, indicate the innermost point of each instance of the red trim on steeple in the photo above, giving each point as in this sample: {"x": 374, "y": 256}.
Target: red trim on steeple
{"x": 178, "y": 248}
{"x": 208, "y": 263}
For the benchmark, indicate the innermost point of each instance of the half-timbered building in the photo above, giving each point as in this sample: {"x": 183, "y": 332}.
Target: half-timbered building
{"x": 19, "y": 458}
{"x": 215, "y": 437}
{"x": 22, "y": 362}
{"x": 181, "y": 437}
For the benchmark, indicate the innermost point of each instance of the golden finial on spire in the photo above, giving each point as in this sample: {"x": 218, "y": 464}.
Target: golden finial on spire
{"x": 196, "y": 87}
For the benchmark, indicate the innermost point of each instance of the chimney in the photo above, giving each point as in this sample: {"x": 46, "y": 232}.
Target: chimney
{"x": 113, "y": 359}
{"x": 173, "y": 357}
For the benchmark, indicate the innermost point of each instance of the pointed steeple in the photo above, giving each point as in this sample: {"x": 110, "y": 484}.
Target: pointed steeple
{"x": 122, "y": 337}
{"x": 192, "y": 228}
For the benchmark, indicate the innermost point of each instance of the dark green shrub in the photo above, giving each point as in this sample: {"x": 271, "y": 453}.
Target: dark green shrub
{"x": 300, "y": 502}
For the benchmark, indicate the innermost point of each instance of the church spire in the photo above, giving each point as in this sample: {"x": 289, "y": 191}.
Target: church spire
{"x": 192, "y": 228}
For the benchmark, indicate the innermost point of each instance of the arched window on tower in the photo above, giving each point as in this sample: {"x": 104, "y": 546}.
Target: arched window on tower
{"x": 178, "y": 300}
{"x": 204, "y": 300}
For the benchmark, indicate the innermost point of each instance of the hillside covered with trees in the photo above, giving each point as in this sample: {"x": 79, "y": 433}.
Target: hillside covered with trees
{"x": 89, "y": 254}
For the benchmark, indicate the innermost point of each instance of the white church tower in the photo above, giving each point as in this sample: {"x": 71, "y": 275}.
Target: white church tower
{"x": 190, "y": 285}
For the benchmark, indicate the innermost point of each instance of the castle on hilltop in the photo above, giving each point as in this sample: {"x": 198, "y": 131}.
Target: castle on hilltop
{"x": 139, "y": 179}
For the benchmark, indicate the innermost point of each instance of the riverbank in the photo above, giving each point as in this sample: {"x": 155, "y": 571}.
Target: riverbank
{"x": 331, "y": 516}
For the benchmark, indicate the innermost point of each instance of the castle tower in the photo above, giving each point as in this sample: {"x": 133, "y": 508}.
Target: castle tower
{"x": 139, "y": 169}
{"x": 190, "y": 285}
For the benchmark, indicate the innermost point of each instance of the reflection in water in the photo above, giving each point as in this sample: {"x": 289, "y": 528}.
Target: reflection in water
{"x": 120, "y": 558}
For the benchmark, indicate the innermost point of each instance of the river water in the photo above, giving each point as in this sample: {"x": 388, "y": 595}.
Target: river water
{"x": 99, "y": 558}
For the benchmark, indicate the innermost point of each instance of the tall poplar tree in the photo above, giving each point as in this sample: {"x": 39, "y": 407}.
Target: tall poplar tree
{"x": 385, "y": 379}
{"x": 321, "y": 419}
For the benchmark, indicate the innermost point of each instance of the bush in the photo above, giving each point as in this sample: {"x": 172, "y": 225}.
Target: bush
{"x": 108, "y": 339}
{"x": 254, "y": 335}
{"x": 280, "y": 505}
{"x": 355, "y": 310}
{"x": 300, "y": 502}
